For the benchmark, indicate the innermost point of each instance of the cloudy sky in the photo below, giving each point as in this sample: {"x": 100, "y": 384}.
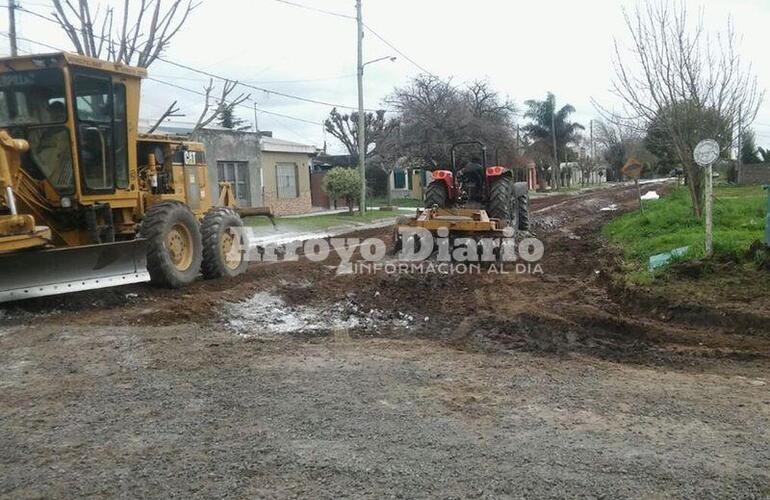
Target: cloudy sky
{"x": 525, "y": 48}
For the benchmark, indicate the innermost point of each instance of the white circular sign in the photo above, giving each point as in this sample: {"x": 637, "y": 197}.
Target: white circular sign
{"x": 706, "y": 152}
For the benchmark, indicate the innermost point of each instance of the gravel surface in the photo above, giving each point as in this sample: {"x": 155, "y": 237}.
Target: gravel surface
{"x": 371, "y": 387}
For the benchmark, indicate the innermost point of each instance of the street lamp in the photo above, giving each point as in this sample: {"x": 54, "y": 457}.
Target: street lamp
{"x": 362, "y": 122}
{"x": 361, "y": 112}
{"x": 391, "y": 58}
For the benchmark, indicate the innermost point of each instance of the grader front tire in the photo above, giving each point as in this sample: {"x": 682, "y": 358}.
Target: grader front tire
{"x": 174, "y": 247}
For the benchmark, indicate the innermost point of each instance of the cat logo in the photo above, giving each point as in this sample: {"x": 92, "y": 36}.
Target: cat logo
{"x": 190, "y": 158}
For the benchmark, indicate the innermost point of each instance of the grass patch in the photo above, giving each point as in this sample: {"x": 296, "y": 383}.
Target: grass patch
{"x": 320, "y": 222}
{"x": 739, "y": 220}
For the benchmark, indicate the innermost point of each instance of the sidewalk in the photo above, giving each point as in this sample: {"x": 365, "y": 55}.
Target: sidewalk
{"x": 278, "y": 237}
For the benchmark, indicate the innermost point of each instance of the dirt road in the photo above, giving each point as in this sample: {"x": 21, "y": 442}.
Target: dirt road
{"x": 295, "y": 382}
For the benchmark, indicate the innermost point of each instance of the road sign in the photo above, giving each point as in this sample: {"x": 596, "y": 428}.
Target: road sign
{"x": 632, "y": 169}
{"x": 706, "y": 152}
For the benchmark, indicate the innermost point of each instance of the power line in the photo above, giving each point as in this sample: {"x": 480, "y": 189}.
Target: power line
{"x": 254, "y": 87}
{"x": 383, "y": 40}
{"x": 180, "y": 87}
{"x": 284, "y": 82}
{"x": 314, "y": 9}
{"x": 368, "y": 28}
{"x": 213, "y": 75}
{"x": 249, "y": 107}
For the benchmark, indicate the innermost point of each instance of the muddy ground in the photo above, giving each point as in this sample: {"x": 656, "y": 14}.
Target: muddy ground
{"x": 292, "y": 381}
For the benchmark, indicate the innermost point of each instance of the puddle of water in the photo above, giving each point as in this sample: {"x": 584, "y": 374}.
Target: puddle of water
{"x": 266, "y": 314}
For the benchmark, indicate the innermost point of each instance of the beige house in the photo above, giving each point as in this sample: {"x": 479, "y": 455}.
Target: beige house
{"x": 264, "y": 171}
{"x": 286, "y": 176}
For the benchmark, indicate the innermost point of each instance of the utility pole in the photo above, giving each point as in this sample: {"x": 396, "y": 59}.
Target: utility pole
{"x": 739, "y": 158}
{"x": 556, "y": 168}
{"x": 361, "y": 112}
{"x": 593, "y": 150}
{"x": 12, "y": 27}
{"x": 256, "y": 123}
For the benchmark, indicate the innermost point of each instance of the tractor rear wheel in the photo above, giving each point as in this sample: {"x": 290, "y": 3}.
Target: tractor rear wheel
{"x": 224, "y": 252}
{"x": 501, "y": 203}
{"x": 174, "y": 247}
{"x": 436, "y": 195}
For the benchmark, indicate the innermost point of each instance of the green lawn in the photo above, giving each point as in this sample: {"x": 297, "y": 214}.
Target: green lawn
{"x": 668, "y": 223}
{"x": 321, "y": 222}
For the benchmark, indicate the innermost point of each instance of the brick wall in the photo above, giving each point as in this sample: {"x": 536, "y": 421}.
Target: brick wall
{"x": 756, "y": 174}
{"x": 289, "y": 206}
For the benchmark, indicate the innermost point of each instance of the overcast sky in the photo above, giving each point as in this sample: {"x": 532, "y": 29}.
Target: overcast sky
{"x": 525, "y": 48}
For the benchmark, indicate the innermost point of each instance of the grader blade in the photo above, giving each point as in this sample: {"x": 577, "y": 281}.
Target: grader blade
{"x": 64, "y": 270}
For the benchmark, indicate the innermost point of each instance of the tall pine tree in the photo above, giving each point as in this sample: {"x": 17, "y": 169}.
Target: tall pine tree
{"x": 228, "y": 120}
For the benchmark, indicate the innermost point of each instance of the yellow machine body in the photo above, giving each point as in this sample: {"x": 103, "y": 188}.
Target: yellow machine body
{"x": 74, "y": 169}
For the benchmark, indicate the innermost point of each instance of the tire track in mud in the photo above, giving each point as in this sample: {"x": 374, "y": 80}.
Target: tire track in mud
{"x": 572, "y": 308}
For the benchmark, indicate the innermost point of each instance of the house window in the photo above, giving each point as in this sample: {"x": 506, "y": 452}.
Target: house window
{"x": 399, "y": 179}
{"x": 237, "y": 174}
{"x": 286, "y": 180}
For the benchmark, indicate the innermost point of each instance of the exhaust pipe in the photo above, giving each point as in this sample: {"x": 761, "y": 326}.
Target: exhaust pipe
{"x": 10, "y": 201}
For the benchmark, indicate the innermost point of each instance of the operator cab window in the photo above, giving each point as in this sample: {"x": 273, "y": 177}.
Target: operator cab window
{"x": 121, "y": 137}
{"x": 33, "y": 106}
{"x": 95, "y": 114}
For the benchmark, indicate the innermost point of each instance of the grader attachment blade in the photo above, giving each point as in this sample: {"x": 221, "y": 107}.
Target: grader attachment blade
{"x": 64, "y": 270}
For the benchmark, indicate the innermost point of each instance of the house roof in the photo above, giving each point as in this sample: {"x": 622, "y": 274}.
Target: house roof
{"x": 273, "y": 145}
{"x": 268, "y": 143}
{"x": 335, "y": 160}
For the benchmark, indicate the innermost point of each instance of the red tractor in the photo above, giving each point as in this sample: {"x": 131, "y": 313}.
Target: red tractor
{"x": 476, "y": 185}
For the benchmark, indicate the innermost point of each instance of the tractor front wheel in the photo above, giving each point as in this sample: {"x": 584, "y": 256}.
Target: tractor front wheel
{"x": 436, "y": 195}
{"x": 224, "y": 252}
{"x": 174, "y": 247}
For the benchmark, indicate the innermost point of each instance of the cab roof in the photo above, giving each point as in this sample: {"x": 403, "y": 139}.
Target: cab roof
{"x": 59, "y": 59}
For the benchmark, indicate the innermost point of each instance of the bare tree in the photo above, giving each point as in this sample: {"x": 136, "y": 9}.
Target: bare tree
{"x": 683, "y": 79}
{"x": 344, "y": 128}
{"x": 379, "y": 137}
{"x": 145, "y": 28}
{"x": 171, "y": 112}
{"x": 434, "y": 113}
{"x": 214, "y": 111}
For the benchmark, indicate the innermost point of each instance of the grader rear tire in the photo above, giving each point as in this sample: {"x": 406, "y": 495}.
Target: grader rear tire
{"x": 436, "y": 195}
{"x": 222, "y": 241}
{"x": 174, "y": 250}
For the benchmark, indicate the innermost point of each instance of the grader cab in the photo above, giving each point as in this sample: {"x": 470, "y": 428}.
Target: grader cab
{"x": 88, "y": 202}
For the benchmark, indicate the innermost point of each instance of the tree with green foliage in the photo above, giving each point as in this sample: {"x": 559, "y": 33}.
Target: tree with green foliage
{"x": 227, "y": 119}
{"x": 749, "y": 151}
{"x": 343, "y": 184}
{"x": 545, "y": 119}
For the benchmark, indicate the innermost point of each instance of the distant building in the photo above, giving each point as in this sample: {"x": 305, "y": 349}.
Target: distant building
{"x": 264, "y": 171}
{"x": 408, "y": 182}
{"x": 286, "y": 175}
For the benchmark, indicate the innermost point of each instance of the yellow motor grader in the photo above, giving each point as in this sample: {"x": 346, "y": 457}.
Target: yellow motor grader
{"x": 86, "y": 201}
